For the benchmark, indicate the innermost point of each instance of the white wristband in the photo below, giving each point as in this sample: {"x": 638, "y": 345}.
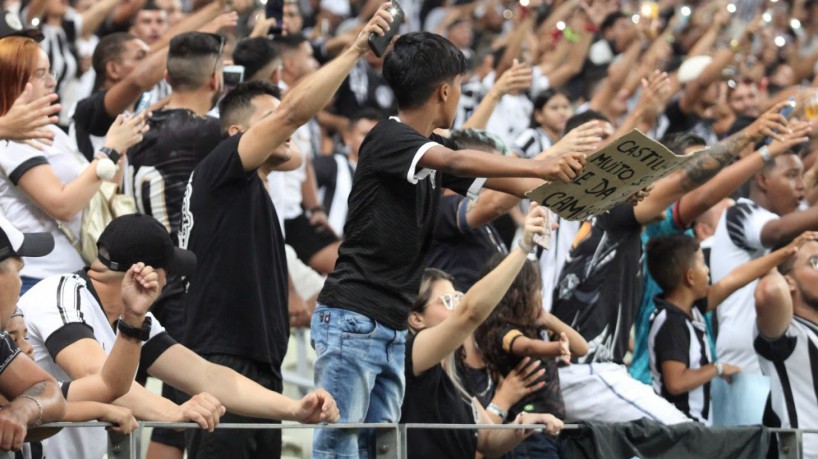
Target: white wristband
{"x": 106, "y": 169}
{"x": 719, "y": 368}
{"x": 765, "y": 154}
{"x": 494, "y": 409}
{"x": 526, "y": 248}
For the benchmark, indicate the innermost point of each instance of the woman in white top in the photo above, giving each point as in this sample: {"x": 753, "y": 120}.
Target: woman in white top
{"x": 44, "y": 186}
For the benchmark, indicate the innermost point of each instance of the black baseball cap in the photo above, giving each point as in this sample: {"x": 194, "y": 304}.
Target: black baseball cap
{"x": 10, "y": 26}
{"x": 14, "y": 243}
{"x": 141, "y": 238}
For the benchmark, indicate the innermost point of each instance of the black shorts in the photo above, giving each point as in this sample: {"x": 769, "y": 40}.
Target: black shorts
{"x": 306, "y": 239}
{"x": 233, "y": 443}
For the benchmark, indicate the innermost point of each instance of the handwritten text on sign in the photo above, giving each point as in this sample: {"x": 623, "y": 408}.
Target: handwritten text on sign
{"x": 611, "y": 175}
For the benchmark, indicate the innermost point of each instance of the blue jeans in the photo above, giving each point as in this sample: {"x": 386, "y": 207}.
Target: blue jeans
{"x": 359, "y": 362}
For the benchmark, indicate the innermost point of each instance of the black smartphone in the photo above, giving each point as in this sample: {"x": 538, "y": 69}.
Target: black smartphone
{"x": 380, "y": 43}
{"x": 275, "y": 9}
{"x": 233, "y": 75}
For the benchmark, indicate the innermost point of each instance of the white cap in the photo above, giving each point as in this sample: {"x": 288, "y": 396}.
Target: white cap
{"x": 692, "y": 67}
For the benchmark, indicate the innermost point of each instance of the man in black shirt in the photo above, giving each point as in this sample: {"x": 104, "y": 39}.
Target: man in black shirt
{"x": 181, "y": 135}
{"x": 359, "y": 328}
{"x": 236, "y": 306}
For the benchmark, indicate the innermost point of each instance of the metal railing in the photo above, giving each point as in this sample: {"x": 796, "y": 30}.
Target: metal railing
{"x": 391, "y": 438}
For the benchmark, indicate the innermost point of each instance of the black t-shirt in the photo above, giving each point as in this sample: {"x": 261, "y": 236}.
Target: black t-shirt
{"x": 600, "y": 286}
{"x": 91, "y": 120}
{"x": 679, "y": 121}
{"x": 389, "y": 228}
{"x": 160, "y": 165}
{"x": 458, "y": 249}
{"x": 431, "y": 397}
{"x": 237, "y": 301}
{"x": 546, "y": 400}
{"x": 158, "y": 171}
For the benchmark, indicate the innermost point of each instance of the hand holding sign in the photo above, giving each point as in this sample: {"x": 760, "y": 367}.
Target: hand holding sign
{"x": 563, "y": 166}
{"x": 612, "y": 175}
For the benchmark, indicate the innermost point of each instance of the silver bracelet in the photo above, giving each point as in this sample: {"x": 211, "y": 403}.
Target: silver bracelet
{"x": 494, "y": 409}
{"x": 526, "y": 248}
{"x": 39, "y": 407}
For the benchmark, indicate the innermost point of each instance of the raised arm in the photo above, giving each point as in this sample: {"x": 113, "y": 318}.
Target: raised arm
{"x": 308, "y": 97}
{"x": 63, "y": 202}
{"x": 140, "y": 287}
{"x": 517, "y": 78}
{"x": 773, "y": 305}
{"x": 706, "y": 164}
{"x": 752, "y": 270}
{"x": 432, "y": 344}
{"x": 699, "y": 200}
{"x": 94, "y": 16}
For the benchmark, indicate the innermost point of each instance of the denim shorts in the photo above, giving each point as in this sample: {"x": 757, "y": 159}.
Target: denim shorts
{"x": 359, "y": 362}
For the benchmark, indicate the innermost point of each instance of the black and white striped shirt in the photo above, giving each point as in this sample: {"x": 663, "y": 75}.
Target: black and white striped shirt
{"x": 791, "y": 362}
{"x": 531, "y": 142}
{"x": 676, "y": 336}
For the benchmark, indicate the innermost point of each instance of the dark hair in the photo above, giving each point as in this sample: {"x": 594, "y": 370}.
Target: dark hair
{"x": 430, "y": 276}
{"x": 418, "y": 63}
{"x": 191, "y": 59}
{"x": 254, "y": 54}
{"x": 478, "y": 139}
{"x": 237, "y": 105}
{"x": 109, "y": 48}
{"x": 516, "y": 308}
{"x": 581, "y": 118}
{"x": 541, "y": 99}
{"x": 365, "y": 113}
{"x": 669, "y": 258}
{"x": 149, "y": 5}
{"x": 610, "y": 20}
{"x": 678, "y": 142}
{"x": 290, "y": 42}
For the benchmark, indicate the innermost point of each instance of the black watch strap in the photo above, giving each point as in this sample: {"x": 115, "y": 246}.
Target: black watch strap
{"x": 142, "y": 334}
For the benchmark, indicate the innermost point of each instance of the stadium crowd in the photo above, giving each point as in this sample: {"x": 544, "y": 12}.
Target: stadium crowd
{"x": 183, "y": 182}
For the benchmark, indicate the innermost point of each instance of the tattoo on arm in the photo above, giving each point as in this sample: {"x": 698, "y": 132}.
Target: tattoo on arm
{"x": 707, "y": 163}
{"x": 36, "y": 390}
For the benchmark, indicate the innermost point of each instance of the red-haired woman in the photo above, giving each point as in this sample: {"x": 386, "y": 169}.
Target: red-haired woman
{"x": 44, "y": 186}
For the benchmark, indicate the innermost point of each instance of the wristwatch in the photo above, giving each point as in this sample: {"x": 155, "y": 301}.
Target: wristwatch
{"x": 141, "y": 334}
{"x": 719, "y": 368}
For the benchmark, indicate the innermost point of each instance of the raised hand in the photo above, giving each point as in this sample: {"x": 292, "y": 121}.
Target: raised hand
{"x": 379, "y": 25}
{"x": 224, "y": 21}
{"x": 126, "y": 132}
{"x": 585, "y": 138}
{"x": 798, "y": 133}
{"x": 27, "y": 118}
{"x": 140, "y": 288}
{"x": 315, "y": 407}
{"x": 534, "y": 223}
{"x": 262, "y": 25}
{"x": 770, "y": 124}
{"x": 516, "y": 79}
{"x": 656, "y": 93}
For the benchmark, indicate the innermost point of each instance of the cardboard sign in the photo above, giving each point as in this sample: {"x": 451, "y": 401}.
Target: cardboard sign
{"x": 610, "y": 176}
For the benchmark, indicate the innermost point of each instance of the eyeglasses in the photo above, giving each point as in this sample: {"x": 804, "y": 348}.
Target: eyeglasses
{"x": 813, "y": 261}
{"x": 451, "y": 300}
{"x": 44, "y": 75}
